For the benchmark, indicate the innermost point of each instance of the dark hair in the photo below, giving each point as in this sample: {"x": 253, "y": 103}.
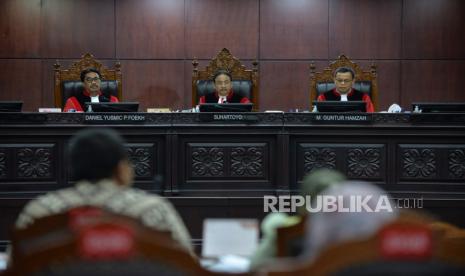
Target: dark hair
{"x": 95, "y": 153}
{"x": 345, "y": 70}
{"x": 221, "y": 72}
{"x": 88, "y": 70}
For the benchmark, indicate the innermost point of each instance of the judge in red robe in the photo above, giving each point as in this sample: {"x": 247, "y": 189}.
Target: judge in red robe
{"x": 222, "y": 82}
{"x": 344, "y": 79}
{"x": 91, "y": 78}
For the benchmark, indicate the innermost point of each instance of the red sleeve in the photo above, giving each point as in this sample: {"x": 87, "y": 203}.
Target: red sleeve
{"x": 72, "y": 103}
{"x": 245, "y": 100}
{"x": 202, "y": 100}
{"x": 321, "y": 98}
{"x": 370, "y": 107}
{"x": 114, "y": 99}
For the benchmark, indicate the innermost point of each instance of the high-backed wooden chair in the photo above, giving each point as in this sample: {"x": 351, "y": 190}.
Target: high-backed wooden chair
{"x": 366, "y": 80}
{"x": 68, "y": 82}
{"x": 245, "y": 81}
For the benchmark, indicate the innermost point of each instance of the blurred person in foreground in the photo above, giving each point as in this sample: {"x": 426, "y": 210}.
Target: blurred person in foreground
{"x": 312, "y": 185}
{"x": 330, "y": 228}
{"x": 100, "y": 164}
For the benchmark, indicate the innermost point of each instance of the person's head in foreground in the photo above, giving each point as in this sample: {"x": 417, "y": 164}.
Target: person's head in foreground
{"x": 329, "y": 228}
{"x": 97, "y": 154}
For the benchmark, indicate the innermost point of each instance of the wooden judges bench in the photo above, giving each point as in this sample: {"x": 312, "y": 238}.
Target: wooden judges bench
{"x": 220, "y": 165}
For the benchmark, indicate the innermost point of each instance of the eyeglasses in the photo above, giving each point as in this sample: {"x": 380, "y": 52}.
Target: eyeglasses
{"x": 222, "y": 82}
{"x": 90, "y": 80}
{"x": 343, "y": 80}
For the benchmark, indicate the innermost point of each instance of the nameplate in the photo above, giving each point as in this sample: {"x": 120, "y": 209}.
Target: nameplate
{"x": 114, "y": 118}
{"x": 228, "y": 117}
{"x": 342, "y": 118}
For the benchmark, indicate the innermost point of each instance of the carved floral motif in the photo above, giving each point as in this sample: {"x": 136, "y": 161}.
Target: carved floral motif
{"x": 316, "y": 158}
{"x": 364, "y": 162}
{"x": 207, "y": 161}
{"x": 34, "y": 162}
{"x": 456, "y": 160}
{"x": 247, "y": 161}
{"x": 418, "y": 163}
{"x": 2, "y": 164}
{"x": 141, "y": 158}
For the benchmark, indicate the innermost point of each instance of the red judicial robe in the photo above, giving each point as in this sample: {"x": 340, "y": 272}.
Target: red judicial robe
{"x": 77, "y": 102}
{"x": 353, "y": 95}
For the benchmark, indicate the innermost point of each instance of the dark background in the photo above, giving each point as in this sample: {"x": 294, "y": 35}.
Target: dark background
{"x": 418, "y": 45}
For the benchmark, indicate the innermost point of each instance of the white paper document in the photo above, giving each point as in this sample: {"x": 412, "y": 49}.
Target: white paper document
{"x": 229, "y": 237}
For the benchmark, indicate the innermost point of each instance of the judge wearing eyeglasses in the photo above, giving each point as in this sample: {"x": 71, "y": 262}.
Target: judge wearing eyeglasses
{"x": 344, "y": 79}
{"x": 91, "y": 78}
{"x": 222, "y": 81}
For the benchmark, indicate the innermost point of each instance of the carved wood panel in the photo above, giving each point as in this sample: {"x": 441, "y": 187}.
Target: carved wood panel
{"x": 227, "y": 160}
{"x": 28, "y": 161}
{"x": 142, "y": 156}
{"x": 431, "y": 162}
{"x": 357, "y": 161}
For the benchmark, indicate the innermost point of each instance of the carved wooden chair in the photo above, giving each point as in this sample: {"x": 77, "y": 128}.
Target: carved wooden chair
{"x": 245, "y": 81}
{"x": 68, "y": 82}
{"x": 321, "y": 82}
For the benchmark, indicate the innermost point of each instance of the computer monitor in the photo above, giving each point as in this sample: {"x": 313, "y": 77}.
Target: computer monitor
{"x": 113, "y": 107}
{"x": 226, "y": 107}
{"x": 340, "y": 106}
{"x": 433, "y": 107}
{"x": 11, "y": 106}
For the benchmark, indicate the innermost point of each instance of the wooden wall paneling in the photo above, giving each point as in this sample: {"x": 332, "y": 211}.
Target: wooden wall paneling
{"x": 365, "y": 29}
{"x": 71, "y": 28}
{"x": 19, "y": 28}
{"x": 20, "y": 79}
{"x": 150, "y": 29}
{"x": 432, "y": 80}
{"x": 293, "y": 29}
{"x": 433, "y": 29}
{"x": 154, "y": 83}
{"x": 212, "y": 25}
{"x": 285, "y": 85}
